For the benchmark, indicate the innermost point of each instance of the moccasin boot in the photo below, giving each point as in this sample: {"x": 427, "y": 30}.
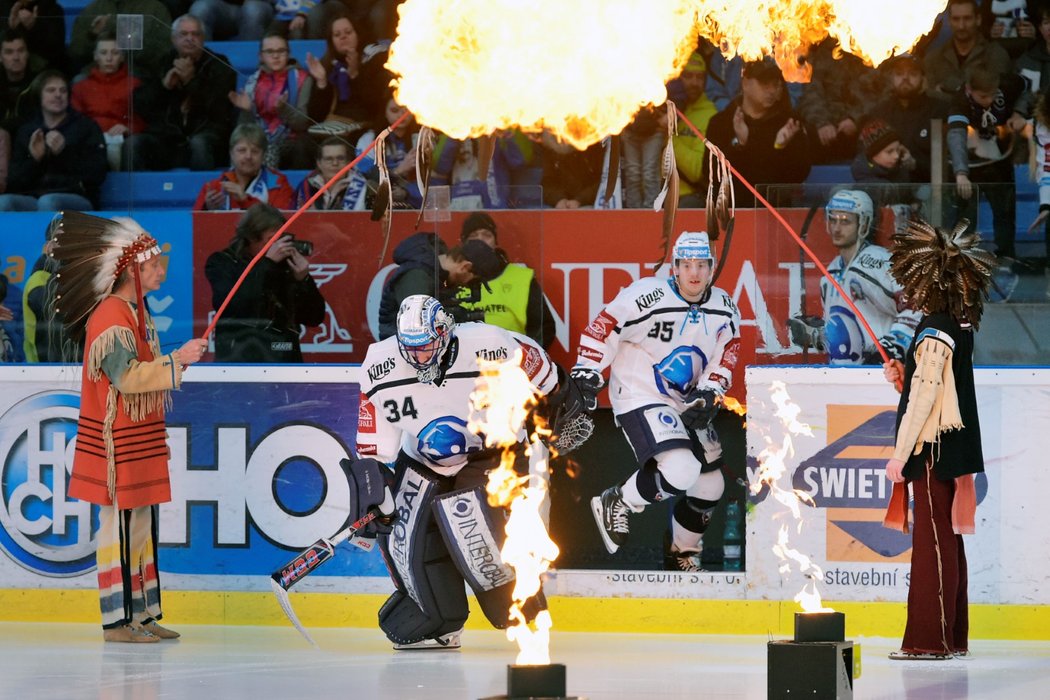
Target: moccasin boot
{"x": 129, "y": 634}
{"x": 161, "y": 632}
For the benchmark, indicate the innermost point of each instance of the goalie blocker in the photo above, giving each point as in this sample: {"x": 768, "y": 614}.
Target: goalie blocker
{"x": 445, "y": 533}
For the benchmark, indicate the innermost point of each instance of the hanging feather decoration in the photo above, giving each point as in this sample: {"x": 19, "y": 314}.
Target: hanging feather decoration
{"x": 668, "y": 197}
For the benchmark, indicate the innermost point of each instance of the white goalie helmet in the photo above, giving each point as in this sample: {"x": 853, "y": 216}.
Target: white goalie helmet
{"x": 853, "y": 202}
{"x": 424, "y": 331}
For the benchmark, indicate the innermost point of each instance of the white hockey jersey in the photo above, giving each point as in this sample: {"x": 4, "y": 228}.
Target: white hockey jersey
{"x": 871, "y": 286}
{"x": 660, "y": 346}
{"x": 429, "y": 421}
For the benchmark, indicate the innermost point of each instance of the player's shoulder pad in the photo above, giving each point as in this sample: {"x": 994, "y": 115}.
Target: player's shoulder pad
{"x": 873, "y": 258}
{"x": 381, "y": 361}
{"x": 719, "y": 299}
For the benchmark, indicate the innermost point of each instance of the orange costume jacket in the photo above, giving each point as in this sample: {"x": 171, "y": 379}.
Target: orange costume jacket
{"x": 121, "y": 456}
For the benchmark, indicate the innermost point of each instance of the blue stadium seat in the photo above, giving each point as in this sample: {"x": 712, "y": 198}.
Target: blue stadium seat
{"x": 172, "y": 189}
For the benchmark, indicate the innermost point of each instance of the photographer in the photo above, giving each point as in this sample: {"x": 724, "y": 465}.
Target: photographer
{"x": 261, "y": 323}
{"x": 427, "y": 266}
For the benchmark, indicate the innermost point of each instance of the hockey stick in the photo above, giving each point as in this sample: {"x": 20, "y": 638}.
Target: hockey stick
{"x": 306, "y": 562}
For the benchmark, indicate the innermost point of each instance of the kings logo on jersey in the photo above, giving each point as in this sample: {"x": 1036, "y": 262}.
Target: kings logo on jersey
{"x": 848, "y": 480}
{"x": 678, "y": 371}
{"x": 447, "y": 439}
{"x": 41, "y": 528}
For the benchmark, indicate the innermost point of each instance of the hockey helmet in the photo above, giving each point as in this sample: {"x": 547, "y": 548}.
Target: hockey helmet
{"x": 693, "y": 245}
{"x": 853, "y": 202}
{"x": 424, "y": 331}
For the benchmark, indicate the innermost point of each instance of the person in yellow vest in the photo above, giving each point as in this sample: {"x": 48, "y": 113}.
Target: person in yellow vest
{"x": 513, "y": 300}
{"x": 44, "y": 340}
{"x": 121, "y": 456}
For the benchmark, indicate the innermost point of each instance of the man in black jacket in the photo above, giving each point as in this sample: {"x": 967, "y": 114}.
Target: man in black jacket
{"x": 58, "y": 159}
{"x": 261, "y": 322}
{"x": 188, "y": 109}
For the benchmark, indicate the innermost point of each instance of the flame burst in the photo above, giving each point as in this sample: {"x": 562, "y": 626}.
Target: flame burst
{"x": 500, "y": 404}
{"x": 582, "y": 68}
{"x": 771, "y": 469}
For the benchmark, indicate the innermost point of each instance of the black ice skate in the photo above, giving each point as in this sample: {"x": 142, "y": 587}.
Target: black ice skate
{"x": 688, "y": 562}
{"x": 610, "y": 512}
{"x": 448, "y": 641}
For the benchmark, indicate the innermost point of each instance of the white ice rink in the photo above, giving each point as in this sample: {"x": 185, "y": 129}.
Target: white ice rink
{"x": 67, "y": 661}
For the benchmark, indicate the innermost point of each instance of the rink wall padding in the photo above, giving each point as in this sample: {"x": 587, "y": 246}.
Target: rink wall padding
{"x": 255, "y": 478}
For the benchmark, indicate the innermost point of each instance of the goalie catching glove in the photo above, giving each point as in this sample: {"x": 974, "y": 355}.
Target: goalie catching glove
{"x": 590, "y": 384}
{"x": 702, "y": 404}
{"x": 566, "y": 412}
{"x": 370, "y": 484}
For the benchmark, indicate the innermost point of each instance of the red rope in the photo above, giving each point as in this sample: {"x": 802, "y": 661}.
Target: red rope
{"x": 798, "y": 239}
{"x": 277, "y": 235}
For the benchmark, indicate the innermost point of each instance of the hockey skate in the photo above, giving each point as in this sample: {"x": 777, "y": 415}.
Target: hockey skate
{"x": 688, "y": 562}
{"x": 446, "y": 642}
{"x": 610, "y": 512}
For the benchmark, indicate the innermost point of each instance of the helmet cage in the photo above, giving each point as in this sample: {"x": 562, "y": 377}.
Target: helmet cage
{"x": 424, "y": 332}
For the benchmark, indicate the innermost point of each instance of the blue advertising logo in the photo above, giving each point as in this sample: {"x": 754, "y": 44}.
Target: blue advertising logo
{"x": 40, "y": 528}
{"x": 447, "y": 437}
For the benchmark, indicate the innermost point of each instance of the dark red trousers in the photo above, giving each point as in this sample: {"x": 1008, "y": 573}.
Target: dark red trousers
{"x": 938, "y": 620}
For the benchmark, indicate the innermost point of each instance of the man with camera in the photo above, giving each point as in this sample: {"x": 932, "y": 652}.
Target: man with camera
{"x": 426, "y": 265}
{"x": 261, "y": 322}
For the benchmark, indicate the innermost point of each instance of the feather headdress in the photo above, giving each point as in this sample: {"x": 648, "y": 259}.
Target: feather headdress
{"x": 943, "y": 271}
{"x": 92, "y": 252}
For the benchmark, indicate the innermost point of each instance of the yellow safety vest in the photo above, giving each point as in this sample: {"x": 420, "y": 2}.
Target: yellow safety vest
{"x": 506, "y": 305}
{"x": 37, "y": 279}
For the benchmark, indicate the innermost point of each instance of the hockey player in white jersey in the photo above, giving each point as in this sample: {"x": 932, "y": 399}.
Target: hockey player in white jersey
{"x": 415, "y": 393}
{"x": 862, "y": 269}
{"x": 672, "y": 345}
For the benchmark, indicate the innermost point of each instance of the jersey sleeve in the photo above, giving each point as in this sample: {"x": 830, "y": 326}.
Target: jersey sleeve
{"x": 727, "y": 342}
{"x": 601, "y": 338}
{"x": 535, "y": 362}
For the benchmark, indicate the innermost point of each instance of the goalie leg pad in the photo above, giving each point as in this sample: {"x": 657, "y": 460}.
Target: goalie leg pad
{"x": 469, "y": 526}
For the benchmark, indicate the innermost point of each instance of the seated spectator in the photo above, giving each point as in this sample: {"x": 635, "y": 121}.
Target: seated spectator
{"x": 248, "y": 181}
{"x": 761, "y": 134}
{"x": 187, "y": 111}
{"x": 909, "y": 110}
{"x": 17, "y": 102}
{"x": 400, "y": 146}
{"x": 457, "y": 164}
{"x": 349, "y": 193}
{"x": 262, "y": 321}
{"x": 377, "y": 17}
{"x": 570, "y": 177}
{"x": 841, "y": 91}
{"x": 239, "y": 20}
{"x": 275, "y": 97}
{"x": 689, "y": 149}
{"x": 58, "y": 160}
{"x": 290, "y": 18}
{"x": 882, "y": 158}
{"x": 44, "y": 25}
{"x": 104, "y": 94}
{"x": 947, "y": 65}
{"x": 349, "y": 89}
{"x": 100, "y": 17}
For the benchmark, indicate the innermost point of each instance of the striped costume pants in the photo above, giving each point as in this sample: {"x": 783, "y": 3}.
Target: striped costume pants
{"x": 128, "y": 583}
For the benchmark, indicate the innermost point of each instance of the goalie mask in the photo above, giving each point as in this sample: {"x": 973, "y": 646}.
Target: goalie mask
{"x": 851, "y": 202}
{"x": 424, "y": 332}
{"x": 692, "y": 245}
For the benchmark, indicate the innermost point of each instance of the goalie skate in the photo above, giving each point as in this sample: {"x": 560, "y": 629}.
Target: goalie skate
{"x": 610, "y": 512}
{"x": 446, "y": 642}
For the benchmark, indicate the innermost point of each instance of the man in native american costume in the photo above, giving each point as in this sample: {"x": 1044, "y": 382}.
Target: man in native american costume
{"x": 121, "y": 458}
{"x": 938, "y": 438}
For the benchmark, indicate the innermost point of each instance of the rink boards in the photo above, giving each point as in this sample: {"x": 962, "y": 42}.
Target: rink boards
{"x": 255, "y": 478}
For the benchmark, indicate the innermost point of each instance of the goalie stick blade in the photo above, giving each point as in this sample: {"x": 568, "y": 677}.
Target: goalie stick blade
{"x": 286, "y": 606}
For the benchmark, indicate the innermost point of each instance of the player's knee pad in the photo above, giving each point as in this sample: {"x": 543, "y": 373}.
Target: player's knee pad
{"x": 430, "y": 599}
{"x": 473, "y": 532}
{"x": 678, "y": 469}
{"x": 709, "y": 486}
{"x": 694, "y": 514}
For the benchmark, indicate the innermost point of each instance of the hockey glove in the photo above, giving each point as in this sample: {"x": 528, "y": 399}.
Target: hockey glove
{"x": 370, "y": 483}
{"x": 807, "y": 332}
{"x": 589, "y": 383}
{"x": 702, "y": 405}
